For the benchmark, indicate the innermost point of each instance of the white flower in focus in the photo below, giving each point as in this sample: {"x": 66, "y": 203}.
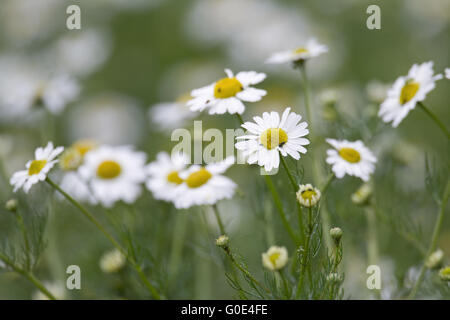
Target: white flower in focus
{"x": 275, "y": 258}
{"x": 57, "y": 289}
{"x": 407, "y": 91}
{"x": 352, "y": 158}
{"x": 112, "y": 261}
{"x": 163, "y": 175}
{"x": 307, "y": 195}
{"x": 227, "y": 94}
{"x": 204, "y": 185}
{"x": 37, "y": 169}
{"x": 270, "y": 135}
{"x": 170, "y": 115}
{"x": 311, "y": 49}
{"x": 114, "y": 174}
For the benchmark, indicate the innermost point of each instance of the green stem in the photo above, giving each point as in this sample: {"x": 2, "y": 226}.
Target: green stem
{"x": 28, "y": 275}
{"x": 240, "y": 118}
{"x": 434, "y": 239}
{"x": 327, "y": 183}
{"x": 23, "y": 230}
{"x": 435, "y": 119}
{"x": 305, "y": 256}
{"x": 306, "y": 94}
{"x": 279, "y": 206}
{"x": 177, "y": 245}
{"x": 291, "y": 178}
{"x": 113, "y": 241}
{"x": 372, "y": 242}
{"x": 219, "y": 220}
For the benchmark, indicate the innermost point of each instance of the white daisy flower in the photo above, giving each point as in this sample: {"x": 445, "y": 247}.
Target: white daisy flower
{"x": 447, "y": 73}
{"x": 204, "y": 185}
{"x": 171, "y": 115}
{"x": 407, "y": 91}
{"x": 37, "y": 169}
{"x": 307, "y": 195}
{"x": 227, "y": 94}
{"x": 352, "y": 158}
{"x": 73, "y": 184}
{"x": 163, "y": 175}
{"x": 270, "y": 136}
{"x": 275, "y": 258}
{"x": 114, "y": 174}
{"x": 311, "y": 49}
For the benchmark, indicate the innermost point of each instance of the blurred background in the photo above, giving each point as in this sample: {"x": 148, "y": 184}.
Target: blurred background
{"x": 133, "y": 58}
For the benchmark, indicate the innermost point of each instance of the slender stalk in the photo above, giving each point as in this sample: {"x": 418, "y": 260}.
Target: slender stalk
{"x": 177, "y": 245}
{"x": 278, "y": 204}
{"x": 305, "y": 256}
{"x": 91, "y": 218}
{"x": 434, "y": 239}
{"x": 327, "y": 183}
{"x": 285, "y": 285}
{"x": 372, "y": 242}
{"x": 306, "y": 94}
{"x": 240, "y": 118}
{"x": 28, "y": 275}
{"x": 23, "y": 230}
{"x": 291, "y": 178}
{"x": 435, "y": 119}
{"x": 219, "y": 220}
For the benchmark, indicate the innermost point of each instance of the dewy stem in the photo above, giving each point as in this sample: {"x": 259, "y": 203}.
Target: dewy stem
{"x": 278, "y": 204}
{"x": 435, "y": 119}
{"x": 113, "y": 241}
{"x": 434, "y": 238}
{"x": 28, "y": 275}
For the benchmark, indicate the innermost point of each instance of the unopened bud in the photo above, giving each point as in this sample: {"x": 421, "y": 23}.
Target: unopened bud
{"x": 363, "y": 194}
{"x": 435, "y": 259}
{"x": 222, "y": 241}
{"x": 336, "y": 234}
{"x": 11, "y": 205}
{"x": 444, "y": 274}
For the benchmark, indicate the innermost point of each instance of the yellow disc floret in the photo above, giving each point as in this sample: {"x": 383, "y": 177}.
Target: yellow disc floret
{"x": 274, "y": 258}
{"x": 272, "y": 138}
{"x": 409, "y": 90}
{"x": 350, "y": 155}
{"x": 227, "y": 87}
{"x": 70, "y": 160}
{"x": 198, "y": 178}
{"x": 36, "y": 166}
{"x": 173, "y": 177}
{"x": 109, "y": 169}
{"x": 84, "y": 146}
{"x": 300, "y": 50}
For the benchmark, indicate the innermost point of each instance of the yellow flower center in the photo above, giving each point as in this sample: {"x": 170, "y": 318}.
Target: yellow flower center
{"x": 36, "y": 166}
{"x": 198, "y": 178}
{"x": 446, "y": 271}
{"x": 409, "y": 90}
{"x": 173, "y": 177}
{"x": 308, "y": 194}
{"x": 84, "y": 146}
{"x": 350, "y": 155}
{"x": 300, "y": 50}
{"x": 274, "y": 257}
{"x": 227, "y": 87}
{"x": 109, "y": 169}
{"x": 272, "y": 138}
{"x": 71, "y": 159}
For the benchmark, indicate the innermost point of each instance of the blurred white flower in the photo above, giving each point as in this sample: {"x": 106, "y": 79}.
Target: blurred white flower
{"x": 407, "y": 91}
{"x": 76, "y": 187}
{"x": 163, "y": 175}
{"x": 114, "y": 174}
{"x": 37, "y": 169}
{"x": 107, "y": 118}
{"x": 275, "y": 258}
{"x": 269, "y": 136}
{"x": 204, "y": 185}
{"x": 352, "y": 158}
{"x": 167, "y": 116}
{"x": 57, "y": 289}
{"x": 310, "y": 50}
{"x": 447, "y": 73}
{"x": 377, "y": 91}
{"x": 112, "y": 261}
{"x": 227, "y": 94}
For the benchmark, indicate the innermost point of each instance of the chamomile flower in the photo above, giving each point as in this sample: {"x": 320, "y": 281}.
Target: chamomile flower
{"x": 227, "y": 94}
{"x": 311, "y": 49}
{"x": 270, "y": 135}
{"x": 163, "y": 175}
{"x": 307, "y": 195}
{"x": 407, "y": 91}
{"x": 204, "y": 185}
{"x": 37, "y": 169}
{"x": 275, "y": 258}
{"x": 114, "y": 174}
{"x": 352, "y": 158}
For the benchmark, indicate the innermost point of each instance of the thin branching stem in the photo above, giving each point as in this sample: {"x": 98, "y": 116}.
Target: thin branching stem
{"x": 219, "y": 219}
{"x": 28, "y": 275}
{"x": 289, "y": 174}
{"x": 113, "y": 241}
{"x": 435, "y": 119}
{"x": 434, "y": 239}
{"x": 305, "y": 255}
